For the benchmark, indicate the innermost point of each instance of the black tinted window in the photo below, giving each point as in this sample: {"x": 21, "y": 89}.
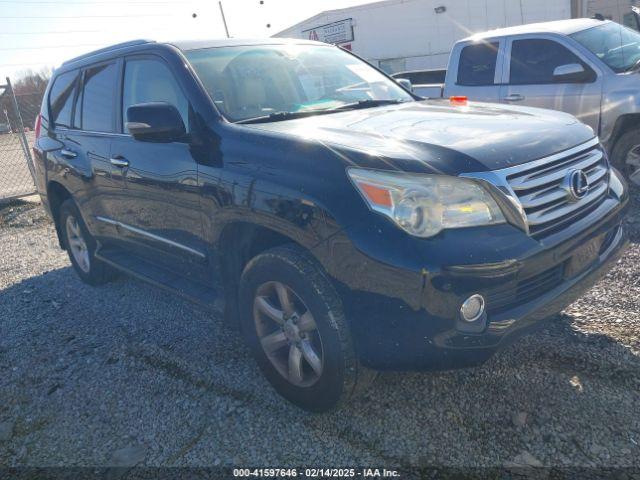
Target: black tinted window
{"x": 97, "y": 98}
{"x": 478, "y": 64}
{"x": 534, "y": 61}
{"x": 151, "y": 81}
{"x": 61, "y": 98}
{"x": 423, "y": 77}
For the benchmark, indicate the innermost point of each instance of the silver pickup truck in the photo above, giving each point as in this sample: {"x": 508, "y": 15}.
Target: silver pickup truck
{"x": 586, "y": 67}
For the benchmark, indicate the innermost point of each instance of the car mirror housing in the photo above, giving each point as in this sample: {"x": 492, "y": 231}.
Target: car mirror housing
{"x": 405, "y": 83}
{"x": 155, "y": 122}
{"x": 572, "y": 72}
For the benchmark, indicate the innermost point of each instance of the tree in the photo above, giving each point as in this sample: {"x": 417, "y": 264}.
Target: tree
{"x": 30, "y": 81}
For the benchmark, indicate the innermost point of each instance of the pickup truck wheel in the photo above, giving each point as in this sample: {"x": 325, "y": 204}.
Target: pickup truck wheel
{"x": 293, "y": 321}
{"x": 81, "y": 246}
{"x": 625, "y": 155}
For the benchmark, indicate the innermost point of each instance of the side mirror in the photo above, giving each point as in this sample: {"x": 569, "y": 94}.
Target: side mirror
{"x": 405, "y": 83}
{"x": 155, "y": 122}
{"x": 572, "y": 72}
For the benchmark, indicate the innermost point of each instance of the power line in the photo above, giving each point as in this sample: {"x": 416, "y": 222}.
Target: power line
{"x": 54, "y": 46}
{"x": 27, "y": 17}
{"x": 3, "y": 65}
{"x": 98, "y": 2}
{"x": 52, "y": 32}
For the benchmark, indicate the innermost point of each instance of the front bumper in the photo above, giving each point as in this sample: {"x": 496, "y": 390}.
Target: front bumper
{"x": 403, "y": 298}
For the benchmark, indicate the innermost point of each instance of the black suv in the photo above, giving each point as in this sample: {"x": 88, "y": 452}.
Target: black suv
{"x": 349, "y": 226}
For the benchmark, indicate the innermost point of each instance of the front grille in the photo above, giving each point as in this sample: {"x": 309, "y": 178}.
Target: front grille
{"x": 525, "y": 290}
{"x": 538, "y": 187}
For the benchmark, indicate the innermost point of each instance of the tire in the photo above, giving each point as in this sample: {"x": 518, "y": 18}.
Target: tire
{"x": 316, "y": 384}
{"x": 81, "y": 246}
{"x": 625, "y": 155}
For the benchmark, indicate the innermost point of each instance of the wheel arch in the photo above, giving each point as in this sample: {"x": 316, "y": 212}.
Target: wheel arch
{"x": 623, "y": 124}
{"x": 56, "y": 195}
{"x": 237, "y": 244}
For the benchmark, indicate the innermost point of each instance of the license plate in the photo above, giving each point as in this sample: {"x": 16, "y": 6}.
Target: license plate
{"x": 583, "y": 257}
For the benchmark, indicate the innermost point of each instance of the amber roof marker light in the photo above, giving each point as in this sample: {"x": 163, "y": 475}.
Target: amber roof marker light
{"x": 459, "y": 100}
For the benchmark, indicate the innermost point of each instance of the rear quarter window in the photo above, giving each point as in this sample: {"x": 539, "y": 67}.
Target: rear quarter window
{"x": 61, "y": 98}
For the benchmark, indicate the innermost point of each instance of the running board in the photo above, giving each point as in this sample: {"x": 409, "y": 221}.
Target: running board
{"x": 146, "y": 271}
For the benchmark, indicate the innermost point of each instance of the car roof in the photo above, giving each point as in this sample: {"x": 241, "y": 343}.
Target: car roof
{"x": 563, "y": 27}
{"x": 186, "y": 45}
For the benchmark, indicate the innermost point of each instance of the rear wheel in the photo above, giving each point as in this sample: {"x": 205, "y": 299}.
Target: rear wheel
{"x": 81, "y": 246}
{"x": 293, "y": 321}
{"x": 625, "y": 155}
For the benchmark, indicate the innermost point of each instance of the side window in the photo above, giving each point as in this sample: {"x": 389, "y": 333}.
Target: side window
{"x": 534, "y": 61}
{"x": 477, "y": 64}
{"x": 61, "y": 99}
{"x": 97, "y": 98}
{"x": 148, "y": 80}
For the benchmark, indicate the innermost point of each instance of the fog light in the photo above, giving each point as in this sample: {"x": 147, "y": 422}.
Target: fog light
{"x": 472, "y": 308}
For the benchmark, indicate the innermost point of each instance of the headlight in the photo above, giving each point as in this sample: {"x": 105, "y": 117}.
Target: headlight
{"x": 424, "y": 205}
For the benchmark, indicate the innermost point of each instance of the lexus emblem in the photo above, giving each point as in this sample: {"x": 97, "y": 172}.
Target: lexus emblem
{"x": 576, "y": 184}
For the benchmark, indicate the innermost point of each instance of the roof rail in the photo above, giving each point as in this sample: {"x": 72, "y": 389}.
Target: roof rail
{"x": 117, "y": 46}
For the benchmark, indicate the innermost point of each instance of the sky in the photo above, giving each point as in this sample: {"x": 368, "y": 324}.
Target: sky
{"x": 43, "y": 33}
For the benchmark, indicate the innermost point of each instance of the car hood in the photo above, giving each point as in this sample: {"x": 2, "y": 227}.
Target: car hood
{"x": 439, "y": 136}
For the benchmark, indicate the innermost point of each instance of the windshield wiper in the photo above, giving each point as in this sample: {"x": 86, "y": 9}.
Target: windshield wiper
{"x": 365, "y": 104}
{"x": 280, "y": 116}
{"x": 634, "y": 67}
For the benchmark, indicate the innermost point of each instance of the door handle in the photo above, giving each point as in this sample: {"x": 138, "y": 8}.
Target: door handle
{"x": 119, "y": 162}
{"x": 515, "y": 97}
{"x": 68, "y": 153}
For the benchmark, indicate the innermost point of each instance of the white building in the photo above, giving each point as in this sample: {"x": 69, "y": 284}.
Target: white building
{"x": 400, "y": 35}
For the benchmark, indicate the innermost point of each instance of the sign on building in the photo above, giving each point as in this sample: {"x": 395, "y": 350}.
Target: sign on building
{"x": 334, "y": 33}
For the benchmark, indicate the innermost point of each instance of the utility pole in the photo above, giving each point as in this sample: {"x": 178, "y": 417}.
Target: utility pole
{"x": 224, "y": 20}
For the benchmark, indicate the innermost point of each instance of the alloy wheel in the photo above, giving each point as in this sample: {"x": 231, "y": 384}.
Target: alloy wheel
{"x": 77, "y": 244}
{"x": 288, "y": 334}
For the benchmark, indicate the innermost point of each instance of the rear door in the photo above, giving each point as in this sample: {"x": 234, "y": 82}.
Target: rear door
{"x": 532, "y": 61}
{"x": 85, "y": 126}
{"x": 476, "y": 70}
{"x": 160, "y": 208}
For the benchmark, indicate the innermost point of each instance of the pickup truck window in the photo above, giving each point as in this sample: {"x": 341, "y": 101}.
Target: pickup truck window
{"x": 423, "y": 77}
{"x": 254, "y": 81}
{"x": 533, "y": 61}
{"x": 615, "y": 45}
{"x": 61, "y": 98}
{"x": 478, "y": 64}
{"x": 148, "y": 80}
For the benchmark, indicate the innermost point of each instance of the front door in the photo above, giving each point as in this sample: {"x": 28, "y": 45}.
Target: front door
{"x": 533, "y": 65}
{"x": 159, "y": 216}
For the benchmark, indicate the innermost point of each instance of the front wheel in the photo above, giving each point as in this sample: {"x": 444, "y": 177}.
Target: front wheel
{"x": 293, "y": 321}
{"x": 625, "y": 155}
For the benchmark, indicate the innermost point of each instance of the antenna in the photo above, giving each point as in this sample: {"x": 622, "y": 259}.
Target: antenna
{"x": 224, "y": 20}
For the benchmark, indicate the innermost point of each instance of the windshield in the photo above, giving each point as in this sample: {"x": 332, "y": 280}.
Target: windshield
{"x": 615, "y": 45}
{"x": 256, "y": 81}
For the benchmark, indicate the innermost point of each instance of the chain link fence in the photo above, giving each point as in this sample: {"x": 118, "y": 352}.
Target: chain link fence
{"x": 17, "y": 117}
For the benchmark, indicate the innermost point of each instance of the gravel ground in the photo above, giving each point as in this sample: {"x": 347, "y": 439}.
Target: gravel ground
{"x": 126, "y": 374}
